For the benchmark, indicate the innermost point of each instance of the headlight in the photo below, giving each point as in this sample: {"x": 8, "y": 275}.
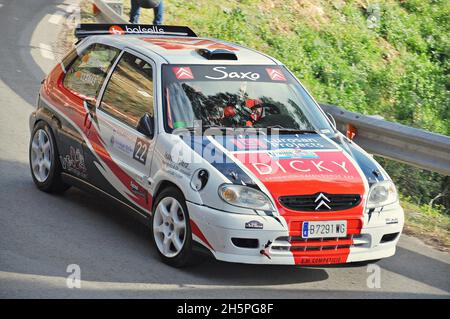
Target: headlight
{"x": 244, "y": 196}
{"x": 382, "y": 194}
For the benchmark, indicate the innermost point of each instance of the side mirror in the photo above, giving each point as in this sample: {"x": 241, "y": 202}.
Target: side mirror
{"x": 146, "y": 125}
{"x": 90, "y": 105}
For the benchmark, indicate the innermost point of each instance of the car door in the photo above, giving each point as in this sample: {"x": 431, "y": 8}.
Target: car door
{"x": 126, "y": 153}
{"x": 86, "y": 72}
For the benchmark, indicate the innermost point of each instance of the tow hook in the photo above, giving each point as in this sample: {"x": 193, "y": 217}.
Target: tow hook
{"x": 265, "y": 250}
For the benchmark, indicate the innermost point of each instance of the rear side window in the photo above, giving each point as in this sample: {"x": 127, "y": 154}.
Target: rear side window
{"x": 87, "y": 73}
{"x": 129, "y": 92}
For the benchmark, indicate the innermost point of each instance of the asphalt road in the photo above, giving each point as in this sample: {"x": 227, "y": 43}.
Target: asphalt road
{"x": 41, "y": 234}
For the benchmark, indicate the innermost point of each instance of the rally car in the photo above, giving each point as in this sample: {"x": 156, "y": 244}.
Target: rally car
{"x": 217, "y": 146}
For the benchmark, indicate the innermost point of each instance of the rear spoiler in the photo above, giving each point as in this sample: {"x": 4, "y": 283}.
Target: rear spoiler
{"x": 88, "y": 29}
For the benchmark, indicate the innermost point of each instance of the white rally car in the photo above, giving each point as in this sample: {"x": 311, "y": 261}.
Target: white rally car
{"x": 218, "y": 146}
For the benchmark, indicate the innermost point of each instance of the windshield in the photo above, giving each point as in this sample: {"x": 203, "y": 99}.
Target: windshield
{"x": 238, "y": 96}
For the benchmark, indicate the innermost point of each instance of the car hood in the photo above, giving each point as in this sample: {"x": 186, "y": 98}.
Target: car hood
{"x": 296, "y": 164}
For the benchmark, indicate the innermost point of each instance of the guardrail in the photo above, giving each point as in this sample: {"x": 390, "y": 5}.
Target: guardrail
{"x": 108, "y": 13}
{"x": 380, "y": 137}
{"x": 395, "y": 141}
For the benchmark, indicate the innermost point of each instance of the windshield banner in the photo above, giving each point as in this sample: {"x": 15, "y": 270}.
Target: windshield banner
{"x": 253, "y": 73}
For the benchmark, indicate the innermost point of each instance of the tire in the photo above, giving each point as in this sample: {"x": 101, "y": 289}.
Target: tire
{"x": 165, "y": 229}
{"x": 44, "y": 160}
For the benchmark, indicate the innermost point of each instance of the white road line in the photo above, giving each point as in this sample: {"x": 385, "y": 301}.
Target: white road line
{"x": 56, "y": 17}
{"x": 46, "y": 51}
{"x": 1, "y": 5}
{"x": 45, "y": 284}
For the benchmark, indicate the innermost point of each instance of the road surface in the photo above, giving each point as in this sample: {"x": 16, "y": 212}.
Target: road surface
{"x": 41, "y": 234}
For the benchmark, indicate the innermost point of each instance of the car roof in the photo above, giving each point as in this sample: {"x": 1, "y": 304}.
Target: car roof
{"x": 182, "y": 50}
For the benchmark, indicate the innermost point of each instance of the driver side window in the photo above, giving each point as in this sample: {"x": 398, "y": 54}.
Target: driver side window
{"x": 129, "y": 93}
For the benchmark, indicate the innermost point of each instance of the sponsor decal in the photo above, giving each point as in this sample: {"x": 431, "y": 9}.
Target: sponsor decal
{"x": 298, "y": 142}
{"x": 136, "y": 189}
{"x": 121, "y": 143}
{"x": 290, "y": 166}
{"x": 140, "y": 150}
{"x": 249, "y": 143}
{"x": 275, "y": 74}
{"x": 115, "y": 29}
{"x": 139, "y": 29}
{"x": 170, "y": 166}
{"x": 241, "y": 73}
{"x": 183, "y": 73}
{"x": 74, "y": 162}
{"x": 292, "y": 153}
{"x": 87, "y": 78}
{"x": 254, "y": 224}
{"x": 221, "y": 73}
{"x": 199, "y": 179}
{"x": 390, "y": 221}
{"x": 280, "y": 146}
{"x": 322, "y": 260}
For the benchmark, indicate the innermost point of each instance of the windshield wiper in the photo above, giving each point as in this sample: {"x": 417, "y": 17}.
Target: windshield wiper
{"x": 209, "y": 126}
{"x": 289, "y": 129}
{"x": 279, "y": 128}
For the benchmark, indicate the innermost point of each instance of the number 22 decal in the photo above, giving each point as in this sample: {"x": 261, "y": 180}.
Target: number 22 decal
{"x": 141, "y": 150}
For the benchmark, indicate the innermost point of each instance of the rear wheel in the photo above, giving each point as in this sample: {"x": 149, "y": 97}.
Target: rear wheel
{"x": 171, "y": 229}
{"x": 44, "y": 164}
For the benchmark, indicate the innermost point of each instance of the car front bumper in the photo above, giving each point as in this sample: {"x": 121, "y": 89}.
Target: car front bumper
{"x": 218, "y": 230}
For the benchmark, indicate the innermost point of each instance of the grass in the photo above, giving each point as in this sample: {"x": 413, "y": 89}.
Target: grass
{"x": 389, "y": 59}
{"x": 429, "y": 224}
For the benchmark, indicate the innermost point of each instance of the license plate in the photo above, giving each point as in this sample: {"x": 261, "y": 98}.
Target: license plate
{"x": 324, "y": 229}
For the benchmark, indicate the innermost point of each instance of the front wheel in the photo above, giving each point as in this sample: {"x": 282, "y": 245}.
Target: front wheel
{"x": 171, "y": 228}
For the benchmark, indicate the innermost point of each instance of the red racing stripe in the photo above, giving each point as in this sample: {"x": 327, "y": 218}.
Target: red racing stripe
{"x": 197, "y": 232}
{"x": 56, "y": 93}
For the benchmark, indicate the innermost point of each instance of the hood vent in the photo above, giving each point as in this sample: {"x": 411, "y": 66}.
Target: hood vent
{"x": 217, "y": 54}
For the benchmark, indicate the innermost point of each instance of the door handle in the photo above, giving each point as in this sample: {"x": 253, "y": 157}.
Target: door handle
{"x": 85, "y": 119}
{"x": 90, "y": 123}
{"x": 88, "y": 120}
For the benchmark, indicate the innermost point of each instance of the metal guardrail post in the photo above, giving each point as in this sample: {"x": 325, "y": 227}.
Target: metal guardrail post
{"x": 109, "y": 13}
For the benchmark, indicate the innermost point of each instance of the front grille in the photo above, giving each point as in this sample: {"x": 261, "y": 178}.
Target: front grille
{"x": 299, "y": 244}
{"x": 318, "y": 203}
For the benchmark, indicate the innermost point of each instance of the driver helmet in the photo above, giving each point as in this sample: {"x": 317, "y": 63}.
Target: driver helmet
{"x": 257, "y": 112}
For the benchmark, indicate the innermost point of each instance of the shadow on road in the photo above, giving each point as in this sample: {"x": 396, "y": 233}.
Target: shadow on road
{"x": 419, "y": 267}
{"x": 104, "y": 239}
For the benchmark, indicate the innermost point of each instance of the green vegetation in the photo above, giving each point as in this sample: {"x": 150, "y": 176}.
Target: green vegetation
{"x": 385, "y": 57}
{"x": 428, "y": 224}
{"x": 396, "y": 66}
